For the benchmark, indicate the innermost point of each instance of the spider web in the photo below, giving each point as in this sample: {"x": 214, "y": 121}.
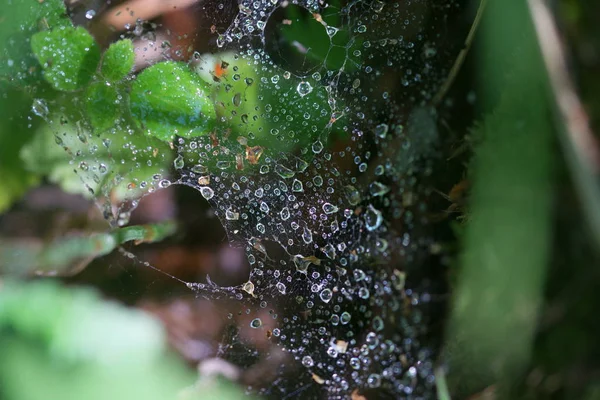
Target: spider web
{"x": 320, "y": 168}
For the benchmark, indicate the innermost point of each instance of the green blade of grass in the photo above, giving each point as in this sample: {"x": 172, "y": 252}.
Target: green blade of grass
{"x": 507, "y": 241}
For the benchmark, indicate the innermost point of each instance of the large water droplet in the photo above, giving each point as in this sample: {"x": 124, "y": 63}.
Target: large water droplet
{"x": 297, "y": 186}
{"x": 329, "y": 208}
{"x": 307, "y": 361}
{"x": 326, "y": 295}
{"x": 178, "y": 163}
{"x": 307, "y": 236}
{"x": 40, "y": 108}
{"x": 378, "y": 189}
{"x": 207, "y": 193}
{"x": 304, "y": 88}
{"x": 256, "y": 323}
{"x": 373, "y": 218}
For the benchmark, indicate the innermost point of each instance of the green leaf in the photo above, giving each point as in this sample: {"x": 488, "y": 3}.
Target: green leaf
{"x": 167, "y": 99}
{"x": 19, "y": 19}
{"x": 69, "y": 56}
{"x": 103, "y": 105}
{"x": 67, "y": 256}
{"x": 94, "y": 163}
{"x": 74, "y": 345}
{"x": 118, "y": 60}
{"x": 507, "y": 241}
{"x": 14, "y": 133}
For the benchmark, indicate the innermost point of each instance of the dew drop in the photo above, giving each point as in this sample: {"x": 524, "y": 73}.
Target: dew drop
{"x": 256, "y": 323}
{"x": 307, "y": 361}
{"x": 331, "y": 31}
{"x": 297, "y": 186}
{"x": 231, "y": 215}
{"x": 378, "y": 189}
{"x": 326, "y": 295}
{"x": 307, "y": 236}
{"x": 317, "y": 147}
{"x": 304, "y": 88}
{"x": 178, "y": 163}
{"x": 207, "y": 193}
{"x": 381, "y": 130}
{"x": 90, "y": 14}
{"x": 284, "y": 172}
{"x": 373, "y": 218}
{"x": 40, "y": 108}
{"x": 329, "y": 208}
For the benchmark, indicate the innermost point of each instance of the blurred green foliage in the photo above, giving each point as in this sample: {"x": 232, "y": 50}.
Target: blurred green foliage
{"x": 68, "y": 255}
{"x": 60, "y": 343}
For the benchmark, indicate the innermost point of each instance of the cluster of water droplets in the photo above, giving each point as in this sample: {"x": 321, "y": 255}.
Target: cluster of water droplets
{"x": 319, "y": 174}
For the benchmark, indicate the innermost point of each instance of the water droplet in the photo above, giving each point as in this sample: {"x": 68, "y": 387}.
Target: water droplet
{"x": 90, "y": 14}
{"x": 381, "y": 130}
{"x": 345, "y": 317}
{"x": 329, "y": 251}
{"x": 231, "y": 215}
{"x": 207, "y": 192}
{"x": 264, "y": 207}
{"x": 373, "y": 218}
{"x": 285, "y": 213}
{"x": 304, "y": 88}
{"x": 40, "y": 108}
{"x": 297, "y": 186}
{"x": 317, "y": 147}
{"x": 378, "y": 189}
{"x": 352, "y": 194}
{"x": 378, "y": 324}
{"x": 329, "y": 208}
{"x": 374, "y": 380}
{"x": 256, "y": 323}
{"x": 280, "y": 287}
{"x": 248, "y": 287}
{"x": 307, "y": 361}
{"x": 359, "y": 275}
{"x": 284, "y": 172}
{"x": 377, "y": 6}
{"x": 363, "y": 293}
{"x": 326, "y": 295}
{"x": 331, "y": 31}
{"x": 307, "y": 236}
{"x": 178, "y": 163}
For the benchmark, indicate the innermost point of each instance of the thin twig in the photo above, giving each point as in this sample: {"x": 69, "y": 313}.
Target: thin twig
{"x": 461, "y": 56}
{"x": 578, "y": 141}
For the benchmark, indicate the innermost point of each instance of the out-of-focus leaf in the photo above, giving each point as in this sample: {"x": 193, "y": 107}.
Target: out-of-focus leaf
{"x": 167, "y": 99}
{"x": 507, "y": 240}
{"x": 69, "y": 344}
{"x": 14, "y": 133}
{"x": 69, "y": 255}
{"x": 69, "y": 56}
{"x": 118, "y": 60}
{"x": 75, "y": 346}
{"x": 19, "y": 19}
{"x": 19, "y": 72}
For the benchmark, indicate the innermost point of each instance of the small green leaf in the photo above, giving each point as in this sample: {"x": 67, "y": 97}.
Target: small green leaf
{"x": 103, "y": 105}
{"x": 167, "y": 99}
{"x": 118, "y": 60}
{"x": 69, "y": 56}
